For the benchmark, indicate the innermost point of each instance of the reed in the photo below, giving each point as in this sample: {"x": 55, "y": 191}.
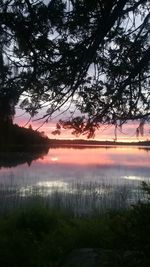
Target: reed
{"x": 77, "y": 198}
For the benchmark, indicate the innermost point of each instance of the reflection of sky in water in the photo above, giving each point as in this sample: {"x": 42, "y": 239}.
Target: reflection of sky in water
{"x": 113, "y": 165}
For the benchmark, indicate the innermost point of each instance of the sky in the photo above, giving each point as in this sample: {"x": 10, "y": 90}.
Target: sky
{"x": 128, "y": 132}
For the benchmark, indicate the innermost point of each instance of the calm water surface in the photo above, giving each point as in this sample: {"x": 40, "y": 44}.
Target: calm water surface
{"x": 62, "y": 166}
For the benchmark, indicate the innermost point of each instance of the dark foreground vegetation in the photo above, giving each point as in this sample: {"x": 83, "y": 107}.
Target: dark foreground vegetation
{"x": 44, "y": 237}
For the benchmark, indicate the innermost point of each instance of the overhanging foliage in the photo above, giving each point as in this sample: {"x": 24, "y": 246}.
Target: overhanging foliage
{"x": 88, "y": 57}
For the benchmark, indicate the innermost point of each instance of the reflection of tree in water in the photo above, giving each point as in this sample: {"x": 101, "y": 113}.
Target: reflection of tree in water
{"x": 81, "y": 147}
{"x": 12, "y": 159}
{"x": 147, "y": 149}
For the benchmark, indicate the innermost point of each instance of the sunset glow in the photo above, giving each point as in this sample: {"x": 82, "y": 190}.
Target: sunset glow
{"x": 97, "y": 156}
{"x": 128, "y": 133}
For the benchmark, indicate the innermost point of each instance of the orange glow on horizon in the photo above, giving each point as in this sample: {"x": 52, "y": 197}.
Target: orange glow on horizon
{"x": 128, "y": 135}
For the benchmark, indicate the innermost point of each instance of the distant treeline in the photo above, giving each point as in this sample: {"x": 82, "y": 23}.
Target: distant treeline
{"x": 13, "y": 137}
{"x": 80, "y": 142}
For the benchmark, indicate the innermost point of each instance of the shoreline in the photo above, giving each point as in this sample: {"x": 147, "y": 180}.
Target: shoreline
{"x": 98, "y": 144}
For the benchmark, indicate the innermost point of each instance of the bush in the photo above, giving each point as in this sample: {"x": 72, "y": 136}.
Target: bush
{"x": 35, "y": 237}
{"x": 42, "y": 237}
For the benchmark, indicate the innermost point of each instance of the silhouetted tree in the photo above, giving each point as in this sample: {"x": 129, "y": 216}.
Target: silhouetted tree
{"x": 26, "y": 54}
{"x": 88, "y": 57}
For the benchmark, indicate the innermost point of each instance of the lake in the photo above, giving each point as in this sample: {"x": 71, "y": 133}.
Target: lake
{"x": 80, "y": 171}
